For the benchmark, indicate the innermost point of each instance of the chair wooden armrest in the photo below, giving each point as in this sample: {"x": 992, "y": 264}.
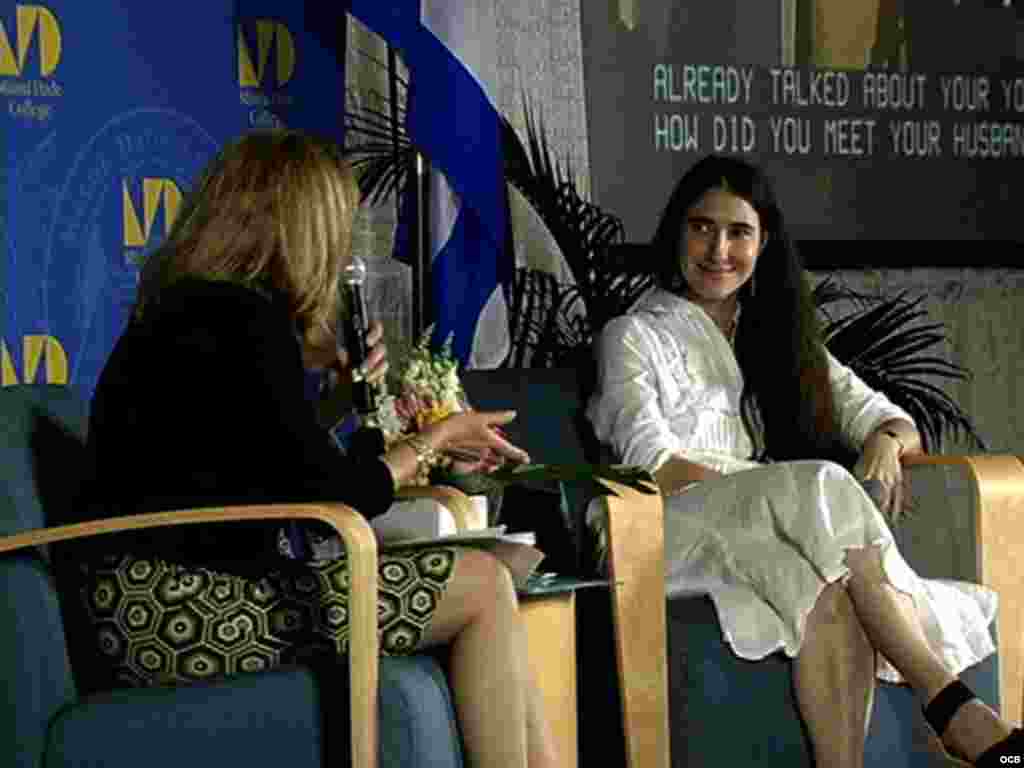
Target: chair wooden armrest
{"x": 998, "y": 489}
{"x": 455, "y": 500}
{"x": 361, "y": 547}
{"x": 636, "y": 564}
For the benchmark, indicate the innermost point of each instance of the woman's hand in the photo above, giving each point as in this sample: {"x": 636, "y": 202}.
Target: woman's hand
{"x": 880, "y": 461}
{"x": 339, "y": 362}
{"x": 476, "y": 435}
{"x": 375, "y": 366}
{"x": 466, "y": 462}
{"x": 336, "y": 402}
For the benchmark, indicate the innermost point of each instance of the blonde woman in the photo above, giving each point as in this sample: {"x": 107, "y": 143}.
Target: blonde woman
{"x": 202, "y": 403}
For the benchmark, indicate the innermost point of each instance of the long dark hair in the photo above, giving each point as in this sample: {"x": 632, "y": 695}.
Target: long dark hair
{"x": 787, "y": 404}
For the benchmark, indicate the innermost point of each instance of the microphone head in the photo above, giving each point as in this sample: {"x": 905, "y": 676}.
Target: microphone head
{"x": 355, "y": 272}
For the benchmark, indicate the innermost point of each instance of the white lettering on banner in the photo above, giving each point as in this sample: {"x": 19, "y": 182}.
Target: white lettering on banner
{"x": 916, "y": 138}
{"x": 47, "y": 89}
{"x": 676, "y": 132}
{"x": 791, "y": 135}
{"x": 702, "y": 84}
{"x": 30, "y": 110}
{"x": 893, "y": 90}
{"x": 1013, "y": 94}
{"x": 988, "y": 140}
{"x": 735, "y": 133}
{"x": 264, "y": 118}
{"x": 849, "y": 138}
{"x": 965, "y": 94}
{"x": 794, "y": 87}
{"x": 900, "y": 113}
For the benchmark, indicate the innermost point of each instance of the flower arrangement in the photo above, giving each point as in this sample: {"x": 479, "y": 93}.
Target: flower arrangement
{"x": 427, "y": 389}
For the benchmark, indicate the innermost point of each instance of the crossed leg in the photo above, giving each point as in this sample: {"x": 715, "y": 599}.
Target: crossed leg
{"x": 834, "y": 680}
{"x": 831, "y": 673}
{"x": 499, "y": 705}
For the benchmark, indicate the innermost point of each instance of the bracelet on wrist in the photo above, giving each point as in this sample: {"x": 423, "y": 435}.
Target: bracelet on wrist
{"x": 426, "y": 458}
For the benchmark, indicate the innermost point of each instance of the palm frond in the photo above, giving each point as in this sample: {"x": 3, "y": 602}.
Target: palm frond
{"x": 887, "y": 342}
{"x": 582, "y": 231}
{"x": 544, "y": 474}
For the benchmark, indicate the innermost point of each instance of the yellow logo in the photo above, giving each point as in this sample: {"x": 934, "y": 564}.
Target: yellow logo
{"x": 155, "y": 193}
{"x": 31, "y": 19}
{"x": 270, "y": 34}
{"x": 34, "y": 348}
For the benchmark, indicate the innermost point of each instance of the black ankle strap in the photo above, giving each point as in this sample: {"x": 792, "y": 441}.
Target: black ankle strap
{"x": 1010, "y": 747}
{"x": 941, "y": 709}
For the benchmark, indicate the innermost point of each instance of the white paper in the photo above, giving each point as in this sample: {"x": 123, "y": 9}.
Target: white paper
{"x": 422, "y": 518}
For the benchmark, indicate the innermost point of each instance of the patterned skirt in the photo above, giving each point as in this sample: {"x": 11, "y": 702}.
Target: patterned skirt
{"x": 156, "y": 623}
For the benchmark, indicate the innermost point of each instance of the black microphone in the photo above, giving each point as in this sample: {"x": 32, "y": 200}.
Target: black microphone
{"x": 368, "y": 439}
{"x": 356, "y": 328}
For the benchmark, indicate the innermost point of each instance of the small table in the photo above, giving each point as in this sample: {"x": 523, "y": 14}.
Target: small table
{"x": 548, "y": 607}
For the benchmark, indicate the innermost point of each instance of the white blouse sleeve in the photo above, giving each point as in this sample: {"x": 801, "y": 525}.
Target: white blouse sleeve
{"x": 859, "y": 408}
{"x": 625, "y": 409}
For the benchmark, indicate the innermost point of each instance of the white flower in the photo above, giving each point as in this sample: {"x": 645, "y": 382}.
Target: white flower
{"x": 451, "y": 380}
{"x": 390, "y": 422}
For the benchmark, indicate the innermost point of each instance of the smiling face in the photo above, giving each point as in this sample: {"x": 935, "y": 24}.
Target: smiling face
{"x": 718, "y": 247}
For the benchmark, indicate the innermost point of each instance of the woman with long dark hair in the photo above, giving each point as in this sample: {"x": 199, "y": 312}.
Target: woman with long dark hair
{"x": 719, "y": 383}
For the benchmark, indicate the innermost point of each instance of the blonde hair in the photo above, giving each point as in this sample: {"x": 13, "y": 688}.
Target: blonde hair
{"x": 273, "y": 211}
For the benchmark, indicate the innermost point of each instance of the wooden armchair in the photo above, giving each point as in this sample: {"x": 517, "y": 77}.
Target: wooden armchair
{"x": 549, "y": 425}
{"x": 636, "y": 566}
{"x": 361, "y": 546}
{"x": 260, "y": 719}
{"x": 967, "y": 516}
{"x": 981, "y": 542}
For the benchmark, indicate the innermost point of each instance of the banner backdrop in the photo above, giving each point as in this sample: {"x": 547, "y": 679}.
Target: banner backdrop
{"x": 111, "y": 109}
{"x": 879, "y": 119}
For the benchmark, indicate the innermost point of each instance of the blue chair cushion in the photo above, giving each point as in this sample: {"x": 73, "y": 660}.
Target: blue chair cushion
{"x": 288, "y": 716}
{"x": 271, "y": 718}
{"x": 763, "y": 726}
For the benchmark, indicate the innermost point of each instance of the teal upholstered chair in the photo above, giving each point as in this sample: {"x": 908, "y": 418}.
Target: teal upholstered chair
{"x": 274, "y": 718}
{"x": 725, "y": 711}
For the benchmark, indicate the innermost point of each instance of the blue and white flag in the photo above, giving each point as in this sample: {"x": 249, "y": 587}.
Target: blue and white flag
{"x": 449, "y": 47}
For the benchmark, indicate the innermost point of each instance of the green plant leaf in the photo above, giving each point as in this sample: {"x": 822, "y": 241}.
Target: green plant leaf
{"x": 887, "y": 342}
{"x": 538, "y": 474}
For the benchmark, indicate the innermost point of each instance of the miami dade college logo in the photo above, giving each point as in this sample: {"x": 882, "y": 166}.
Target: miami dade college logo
{"x": 34, "y": 348}
{"x": 262, "y": 79}
{"x": 270, "y": 35}
{"x": 33, "y": 21}
{"x": 158, "y": 196}
{"x": 30, "y": 99}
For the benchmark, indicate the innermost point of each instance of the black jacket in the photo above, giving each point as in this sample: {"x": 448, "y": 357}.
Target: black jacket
{"x": 203, "y": 404}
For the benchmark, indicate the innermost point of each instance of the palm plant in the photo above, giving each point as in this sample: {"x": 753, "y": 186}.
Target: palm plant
{"x": 557, "y": 322}
{"x": 379, "y": 148}
{"x": 886, "y": 341}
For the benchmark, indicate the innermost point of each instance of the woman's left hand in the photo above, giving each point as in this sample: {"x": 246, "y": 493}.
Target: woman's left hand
{"x": 375, "y": 367}
{"x": 880, "y": 461}
{"x": 336, "y": 403}
{"x": 467, "y": 462}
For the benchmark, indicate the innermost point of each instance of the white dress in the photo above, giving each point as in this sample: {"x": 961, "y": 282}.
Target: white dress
{"x": 763, "y": 541}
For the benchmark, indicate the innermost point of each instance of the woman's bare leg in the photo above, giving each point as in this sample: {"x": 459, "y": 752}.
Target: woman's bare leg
{"x": 834, "y": 679}
{"x": 890, "y": 619}
{"x": 499, "y": 705}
